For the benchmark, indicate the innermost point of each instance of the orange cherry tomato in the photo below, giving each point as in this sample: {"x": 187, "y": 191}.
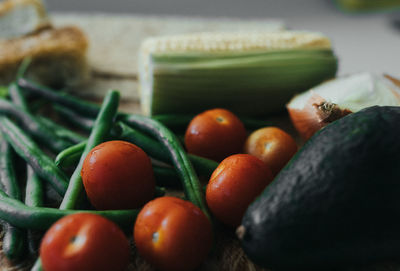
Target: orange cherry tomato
{"x": 234, "y": 184}
{"x": 118, "y": 175}
{"x": 172, "y": 234}
{"x": 84, "y": 242}
{"x": 272, "y": 145}
{"x": 215, "y": 134}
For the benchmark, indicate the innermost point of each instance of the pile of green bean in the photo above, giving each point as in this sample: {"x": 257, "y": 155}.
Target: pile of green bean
{"x": 51, "y": 154}
{"x": 48, "y": 151}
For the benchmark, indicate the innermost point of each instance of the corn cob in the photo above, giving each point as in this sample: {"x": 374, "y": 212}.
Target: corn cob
{"x": 250, "y": 73}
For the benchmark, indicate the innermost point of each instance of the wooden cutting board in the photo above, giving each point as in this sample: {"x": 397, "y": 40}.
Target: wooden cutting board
{"x": 114, "y": 41}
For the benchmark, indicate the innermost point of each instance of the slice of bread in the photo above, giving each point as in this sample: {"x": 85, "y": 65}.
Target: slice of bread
{"x": 21, "y": 17}
{"x": 58, "y": 57}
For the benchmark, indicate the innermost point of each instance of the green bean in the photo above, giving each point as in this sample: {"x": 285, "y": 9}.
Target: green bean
{"x": 178, "y": 156}
{"x": 34, "y": 198}
{"x": 8, "y": 176}
{"x": 41, "y": 218}
{"x": 34, "y": 186}
{"x": 174, "y": 121}
{"x": 23, "y": 67}
{"x": 3, "y": 92}
{"x": 33, "y": 155}
{"x": 73, "y": 118}
{"x": 149, "y": 145}
{"x": 17, "y": 96}
{"x": 34, "y": 189}
{"x": 61, "y": 131}
{"x": 14, "y": 242}
{"x": 83, "y": 107}
{"x": 37, "y": 266}
{"x": 156, "y": 150}
{"x": 33, "y": 126}
{"x": 101, "y": 126}
{"x": 152, "y": 147}
{"x": 70, "y": 156}
{"x": 190, "y": 182}
{"x": 166, "y": 177}
{"x": 80, "y": 107}
{"x": 204, "y": 166}
{"x": 100, "y": 131}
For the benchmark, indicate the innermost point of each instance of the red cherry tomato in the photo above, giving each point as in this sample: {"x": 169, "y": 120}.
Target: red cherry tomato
{"x": 118, "y": 175}
{"x": 234, "y": 184}
{"x": 272, "y": 145}
{"x": 172, "y": 234}
{"x": 84, "y": 242}
{"x": 215, "y": 134}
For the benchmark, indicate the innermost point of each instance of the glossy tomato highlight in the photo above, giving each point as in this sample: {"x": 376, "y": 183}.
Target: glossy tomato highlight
{"x": 84, "y": 242}
{"x": 172, "y": 234}
{"x": 234, "y": 184}
{"x": 118, "y": 175}
{"x": 215, "y": 134}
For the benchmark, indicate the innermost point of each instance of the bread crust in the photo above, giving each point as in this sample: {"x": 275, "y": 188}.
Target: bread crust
{"x": 21, "y": 17}
{"x": 61, "y": 51}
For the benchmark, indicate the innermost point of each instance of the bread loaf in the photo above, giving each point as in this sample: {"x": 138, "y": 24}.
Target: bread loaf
{"x": 58, "y": 56}
{"x": 21, "y": 17}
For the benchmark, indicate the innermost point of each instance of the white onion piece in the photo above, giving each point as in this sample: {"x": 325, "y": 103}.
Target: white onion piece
{"x": 323, "y": 104}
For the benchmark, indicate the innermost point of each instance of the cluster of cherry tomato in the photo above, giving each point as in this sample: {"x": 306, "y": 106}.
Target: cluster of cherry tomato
{"x": 220, "y": 135}
{"x": 170, "y": 233}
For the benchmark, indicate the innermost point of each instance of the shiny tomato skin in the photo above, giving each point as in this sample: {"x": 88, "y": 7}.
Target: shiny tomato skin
{"x": 272, "y": 145}
{"x": 118, "y": 175}
{"x": 172, "y": 234}
{"x": 84, "y": 242}
{"x": 215, "y": 134}
{"x": 234, "y": 184}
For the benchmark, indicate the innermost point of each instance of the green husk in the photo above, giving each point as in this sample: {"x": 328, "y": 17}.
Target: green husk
{"x": 250, "y": 84}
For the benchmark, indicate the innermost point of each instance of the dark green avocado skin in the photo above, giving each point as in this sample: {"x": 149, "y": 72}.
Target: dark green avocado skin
{"x": 337, "y": 202}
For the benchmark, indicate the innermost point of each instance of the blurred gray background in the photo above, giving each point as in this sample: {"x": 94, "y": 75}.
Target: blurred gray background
{"x": 364, "y": 42}
{"x": 230, "y": 8}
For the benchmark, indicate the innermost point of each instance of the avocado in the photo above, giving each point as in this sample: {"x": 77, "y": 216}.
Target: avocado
{"x": 336, "y": 203}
